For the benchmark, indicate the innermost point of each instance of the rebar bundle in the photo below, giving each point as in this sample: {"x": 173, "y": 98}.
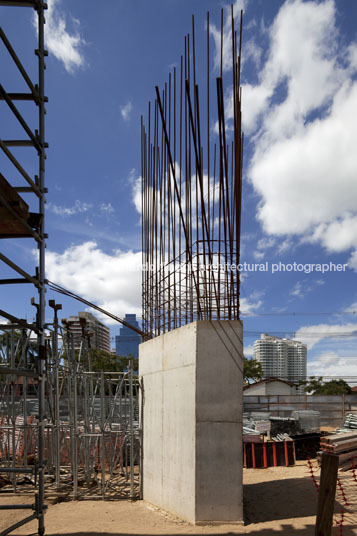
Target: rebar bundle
{"x": 191, "y": 195}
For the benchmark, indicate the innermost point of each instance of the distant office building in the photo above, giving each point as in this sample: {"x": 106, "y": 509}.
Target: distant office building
{"x": 281, "y": 358}
{"x": 127, "y": 343}
{"x": 100, "y": 339}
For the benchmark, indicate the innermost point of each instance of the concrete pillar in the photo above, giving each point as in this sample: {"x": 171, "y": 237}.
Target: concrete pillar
{"x": 192, "y": 421}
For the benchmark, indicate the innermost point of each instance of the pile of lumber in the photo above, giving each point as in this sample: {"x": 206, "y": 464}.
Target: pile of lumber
{"x": 342, "y": 445}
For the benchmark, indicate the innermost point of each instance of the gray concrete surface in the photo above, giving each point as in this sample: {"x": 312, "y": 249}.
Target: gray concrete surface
{"x": 192, "y": 421}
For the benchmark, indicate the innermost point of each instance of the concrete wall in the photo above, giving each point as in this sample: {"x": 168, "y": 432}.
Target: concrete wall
{"x": 192, "y": 421}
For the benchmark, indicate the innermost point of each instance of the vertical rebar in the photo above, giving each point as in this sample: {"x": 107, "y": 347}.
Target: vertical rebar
{"x": 184, "y": 207}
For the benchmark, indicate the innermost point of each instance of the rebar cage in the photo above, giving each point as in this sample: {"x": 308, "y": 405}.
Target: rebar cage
{"x": 191, "y": 195}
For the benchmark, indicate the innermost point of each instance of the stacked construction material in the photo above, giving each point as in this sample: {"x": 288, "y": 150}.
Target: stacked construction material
{"x": 284, "y": 425}
{"x": 309, "y": 419}
{"x": 279, "y": 452}
{"x": 349, "y": 424}
{"x": 342, "y": 445}
{"x": 254, "y": 426}
{"x": 351, "y": 421}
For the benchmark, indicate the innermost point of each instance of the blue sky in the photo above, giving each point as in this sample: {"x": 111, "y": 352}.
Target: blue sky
{"x": 300, "y": 164}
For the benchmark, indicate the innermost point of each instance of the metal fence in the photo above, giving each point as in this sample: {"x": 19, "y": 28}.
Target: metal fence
{"x": 332, "y": 408}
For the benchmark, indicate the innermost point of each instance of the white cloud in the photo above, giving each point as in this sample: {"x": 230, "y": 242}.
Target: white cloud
{"x": 266, "y": 242}
{"x": 112, "y": 281}
{"x": 297, "y": 290}
{"x": 352, "y": 261}
{"x": 285, "y": 246}
{"x": 345, "y": 229}
{"x": 248, "y": 350}
{"x": 78, "y": 207}
{"x": 215, "y": 32}
{"x": 253, "y": 52}
{"x": 297, "y": 176}
{"x": 126, "y": 110}
{"x": 301, "y": 116}
{"x": 65, "y": 46}
{"x": 352, "y": 307}
{"x": 331, "y": 364}
{"x": 263, "y": 244}
{"x": 135, "y": 181}
{"x": 312, "y": 335}
{"x": 259, "y": 255}
{"x": 107, "y": 208}
{"x": 248, "y": 306}
{"x": 303, "y": 287}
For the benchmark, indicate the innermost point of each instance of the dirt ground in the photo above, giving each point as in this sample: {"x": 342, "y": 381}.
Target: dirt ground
{"x": 277, "y": 501}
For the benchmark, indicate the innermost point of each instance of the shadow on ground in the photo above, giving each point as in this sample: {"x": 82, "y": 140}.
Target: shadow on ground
{"x": 285, "y": 530}
{"x": 288, "y": 498}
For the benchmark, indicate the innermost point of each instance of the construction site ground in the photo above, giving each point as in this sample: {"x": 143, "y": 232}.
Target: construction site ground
{"x": 277, "y": 500}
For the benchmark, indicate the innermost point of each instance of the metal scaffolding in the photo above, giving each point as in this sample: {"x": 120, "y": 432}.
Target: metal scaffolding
{"x": 17, "y": 222}
{"x": 91, "y": 435}
{"x": 191, "y": 195}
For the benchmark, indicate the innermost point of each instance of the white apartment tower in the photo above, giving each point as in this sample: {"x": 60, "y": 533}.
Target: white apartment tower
{"x": 281, "y": 358}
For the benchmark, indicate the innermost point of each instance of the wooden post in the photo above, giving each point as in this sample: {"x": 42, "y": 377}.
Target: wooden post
{"x": 327, "y": 491}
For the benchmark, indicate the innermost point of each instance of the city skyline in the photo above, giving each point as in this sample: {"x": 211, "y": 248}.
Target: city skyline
{"x": 299, "y": 94}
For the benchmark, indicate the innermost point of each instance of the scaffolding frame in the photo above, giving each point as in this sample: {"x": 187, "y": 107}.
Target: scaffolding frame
{"x": 17, "y": 222}
{"x": 92, "y": 437}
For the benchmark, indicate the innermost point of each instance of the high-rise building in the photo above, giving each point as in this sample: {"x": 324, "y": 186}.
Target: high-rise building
{"x": 100, "y": 339}
{"x": 127, "y": 343}
{"x": 281, "y": 358}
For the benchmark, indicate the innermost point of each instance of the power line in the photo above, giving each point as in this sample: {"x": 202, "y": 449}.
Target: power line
{"x": 65, "y": 292}
{"x": 299, "y": 313}
{"x": 306, "y": 333}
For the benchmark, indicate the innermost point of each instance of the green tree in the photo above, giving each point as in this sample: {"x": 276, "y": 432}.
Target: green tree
{"x": 17, "y": 349}
{"x": 107, "y": 362}
{"x": 102, "y": 361}
{"x": 317, "y": 386}
{"x": 252, "y": 370}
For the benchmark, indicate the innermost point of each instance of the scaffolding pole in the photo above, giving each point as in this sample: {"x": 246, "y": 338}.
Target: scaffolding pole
{"x": 17, "y": 222}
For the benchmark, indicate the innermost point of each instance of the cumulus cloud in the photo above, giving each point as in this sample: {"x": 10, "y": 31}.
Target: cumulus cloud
{"x": 126, "y": 110}
{"x": 112, "y": 281}
{"x": 250, "y": 305}
{"x": 312, "y": 335}
{"x": 331, "y": 364}
{"x": 308, "y": 179}
{"x": 344, "y": 228}
{"x": 65, "y": 46}
{"x": 301, "y": 117}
